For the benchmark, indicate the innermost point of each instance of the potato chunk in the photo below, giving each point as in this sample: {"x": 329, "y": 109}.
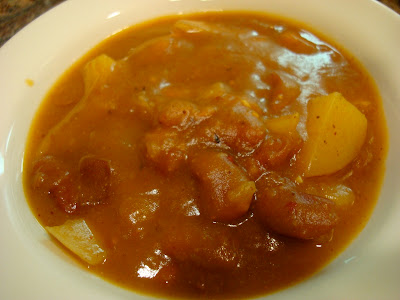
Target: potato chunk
{"x": 336, "y": 132}
{"x": 77, "y": 237}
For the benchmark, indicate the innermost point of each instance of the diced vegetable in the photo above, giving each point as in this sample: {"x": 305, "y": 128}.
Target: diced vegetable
{"x": 240, "y": 194}
{"x": 209, "y": 246}
{"x": 59, "y": 182}
{"x": 342, "y": 195}
{"x": 218, "y": 89}
{"x": 296, "y": 43}
{"x": 96, "y": 71}
{"x": 336, "y": 132}
{"x": 188, "y": 26}
{"x": 291, "y": 212}
{"x": 283, "y": 125}
{"x": 95, "y": 180}
{"x": 177, "y": 113}
{"x": 77, "y": 237}
{"x": 235, "y": 125}
{"x": 136, "y": 213}
{"x": 53, "y": 179}
{"x": 95, "y": 74}
{"x": 165, "y": 149}
{"x": 277, "y": 149}
{"x": 228, "y": 192}
{"x": 198, "y": 28}
{"x": 284, "y": 91}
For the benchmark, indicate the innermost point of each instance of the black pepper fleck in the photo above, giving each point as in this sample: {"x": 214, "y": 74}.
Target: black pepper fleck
{"x": 216, "y": 139}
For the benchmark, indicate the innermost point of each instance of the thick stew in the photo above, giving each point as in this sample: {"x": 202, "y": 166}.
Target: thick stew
{"x": 211, "y": 155}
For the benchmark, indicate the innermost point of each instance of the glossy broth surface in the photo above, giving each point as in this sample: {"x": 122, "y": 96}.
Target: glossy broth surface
{"x": 160, "y": 139}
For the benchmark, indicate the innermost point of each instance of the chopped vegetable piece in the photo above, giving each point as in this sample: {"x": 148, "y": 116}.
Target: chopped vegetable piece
{"x": 336, "y": 132}
{"x": 240, "y": 129}
{"x": 53, "y": 180}
{"x": 165, "y": 149}
{"x": 136, "y": 212}
{"x": 291, "y": 212}
{"x": 228, "y": 192}
{"x": 178, "y": 113}
{"x": 96, "y": 71}
{"x": 284, "y": 91}
{"x": 77, "y": 237}
{"x": 342, "y": 195}
{"x": 295, "y": 42}
{"x": 92, "y": 106}
{"x": 95, "y": 178}
{"x": 209, "y": 246}
{"x": 188, "y": 26}
{"x": 277, "y": 149}
{"x": 283, "y": 125}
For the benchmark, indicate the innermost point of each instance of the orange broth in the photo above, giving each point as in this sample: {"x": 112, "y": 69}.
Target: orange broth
{"x": 168, "y": 158}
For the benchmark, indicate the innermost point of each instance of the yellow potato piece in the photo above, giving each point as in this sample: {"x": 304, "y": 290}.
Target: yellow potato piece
{"x": 283, "y": 125}
{"x": 77, "y": 237}
{"x": 336, "y": 132}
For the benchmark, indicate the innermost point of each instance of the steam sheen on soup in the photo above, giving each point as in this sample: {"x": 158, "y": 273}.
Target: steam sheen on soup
{"x": 210, "y": 155}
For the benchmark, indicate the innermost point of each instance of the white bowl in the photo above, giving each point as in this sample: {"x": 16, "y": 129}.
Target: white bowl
{"x": 32, "y": 267}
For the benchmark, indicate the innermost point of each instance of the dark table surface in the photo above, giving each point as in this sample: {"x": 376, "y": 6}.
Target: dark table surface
{"x": 15, "y": 14}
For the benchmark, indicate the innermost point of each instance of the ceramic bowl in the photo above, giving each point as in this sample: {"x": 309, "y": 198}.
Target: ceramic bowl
{"x": 33, "y": 267}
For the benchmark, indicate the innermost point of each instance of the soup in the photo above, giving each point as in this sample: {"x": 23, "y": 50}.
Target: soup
{"x": 212, "y": 155}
